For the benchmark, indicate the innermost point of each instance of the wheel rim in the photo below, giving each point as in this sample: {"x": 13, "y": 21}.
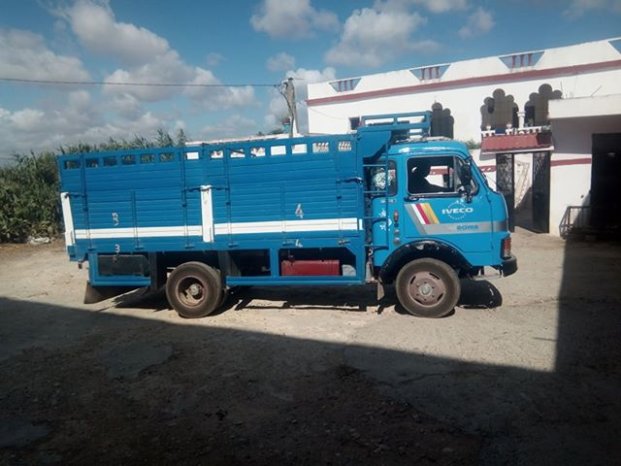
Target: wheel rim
{"x": 427, "y": 289}
{"x": 191, "y": 291}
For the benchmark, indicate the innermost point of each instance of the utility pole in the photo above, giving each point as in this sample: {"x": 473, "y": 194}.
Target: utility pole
{"x": 288, "y": 91}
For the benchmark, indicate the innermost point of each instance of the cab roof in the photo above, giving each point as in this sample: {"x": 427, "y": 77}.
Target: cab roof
{"x": 429, "y": 147}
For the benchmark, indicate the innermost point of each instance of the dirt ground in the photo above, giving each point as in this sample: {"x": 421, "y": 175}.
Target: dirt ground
{"x": 526, "y": 371}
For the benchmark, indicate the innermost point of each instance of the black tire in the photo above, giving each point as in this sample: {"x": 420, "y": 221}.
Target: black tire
{"x": 428, "y": 288}
{"x": 194, "y": 290}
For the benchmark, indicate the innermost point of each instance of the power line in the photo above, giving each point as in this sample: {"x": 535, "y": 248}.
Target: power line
{"x": 106, "y": 83}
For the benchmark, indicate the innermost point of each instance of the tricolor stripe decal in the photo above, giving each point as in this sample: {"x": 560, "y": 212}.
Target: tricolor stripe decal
{"x": 425, "y": 213}
{"x": 426, "y": 223}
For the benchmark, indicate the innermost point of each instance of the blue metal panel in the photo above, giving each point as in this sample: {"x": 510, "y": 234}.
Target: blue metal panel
{"x": 96, "y": 279}
{"x": 121, "y": 201}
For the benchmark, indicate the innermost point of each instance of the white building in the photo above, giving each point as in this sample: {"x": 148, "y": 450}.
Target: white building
{"x": 548, "y": 123}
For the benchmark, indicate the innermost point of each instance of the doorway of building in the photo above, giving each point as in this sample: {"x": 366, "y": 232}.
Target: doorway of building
{"x": 541, "y": 192}
{"x": 605, "y": 175}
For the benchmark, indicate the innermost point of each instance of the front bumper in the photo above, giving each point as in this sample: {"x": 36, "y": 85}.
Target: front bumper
{"x": 509, "y": 266}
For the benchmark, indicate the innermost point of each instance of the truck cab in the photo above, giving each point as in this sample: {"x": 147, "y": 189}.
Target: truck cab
{"x": 430, "y": 204}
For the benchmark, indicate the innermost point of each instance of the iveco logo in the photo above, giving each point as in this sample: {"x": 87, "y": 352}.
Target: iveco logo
{"x": 457, "y": 210}
{"x": 461, "y": 210}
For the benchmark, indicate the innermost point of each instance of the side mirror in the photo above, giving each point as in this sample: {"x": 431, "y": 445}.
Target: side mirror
{"x": 465, "y": 175}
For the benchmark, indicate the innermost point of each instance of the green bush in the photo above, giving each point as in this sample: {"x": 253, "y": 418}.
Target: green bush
{"x": 29, "y": 202}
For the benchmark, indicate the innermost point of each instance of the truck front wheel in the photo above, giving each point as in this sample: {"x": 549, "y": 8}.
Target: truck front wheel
{"x": 428, "y": 288}
{"x": 194, "y": 290}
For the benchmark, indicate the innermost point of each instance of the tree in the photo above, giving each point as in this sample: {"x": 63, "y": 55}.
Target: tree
{"x": 163, "y": 139}
{"x": 181, "y": 138}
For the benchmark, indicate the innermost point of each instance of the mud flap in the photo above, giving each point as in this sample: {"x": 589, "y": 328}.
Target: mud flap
{"x": 95, "y": 294}
{"x": 381, "y": 292}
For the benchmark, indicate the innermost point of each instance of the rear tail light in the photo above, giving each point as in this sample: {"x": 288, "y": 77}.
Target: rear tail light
{"x": 506, "y": 247}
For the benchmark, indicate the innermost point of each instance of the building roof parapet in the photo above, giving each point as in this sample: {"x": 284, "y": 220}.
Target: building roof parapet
{"x": 522, "y": 60}
{"x": 585, "y": 57}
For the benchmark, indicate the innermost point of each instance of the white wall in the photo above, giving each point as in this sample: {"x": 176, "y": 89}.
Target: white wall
{"x": 570, "y": 184}
{"x": 465, "y": 102}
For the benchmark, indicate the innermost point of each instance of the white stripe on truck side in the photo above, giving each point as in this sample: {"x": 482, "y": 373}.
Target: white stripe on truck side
{"x": 241, "y": 228}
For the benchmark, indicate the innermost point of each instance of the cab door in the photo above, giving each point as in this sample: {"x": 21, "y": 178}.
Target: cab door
{"x": 438, "y": 205}
{"x": 381, "y": 195}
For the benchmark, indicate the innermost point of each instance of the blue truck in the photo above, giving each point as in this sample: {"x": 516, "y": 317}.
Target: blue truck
{"x": 385, "y": 204}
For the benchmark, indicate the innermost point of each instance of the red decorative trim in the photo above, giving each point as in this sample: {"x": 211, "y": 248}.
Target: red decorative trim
{"x": 422, "y": 213}
{"x": 560, "y": 163}
{"x": 516, "y": 142}
{"x": 553, "y": 163}
{"x": 467, "y": 82}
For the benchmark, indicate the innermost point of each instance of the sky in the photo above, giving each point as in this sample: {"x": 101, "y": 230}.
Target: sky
{"x": 242, "y": 49}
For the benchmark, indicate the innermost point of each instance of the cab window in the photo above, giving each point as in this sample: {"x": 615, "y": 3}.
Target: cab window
{"x": 377, "y": 177}
{"x": 440, "y": 176}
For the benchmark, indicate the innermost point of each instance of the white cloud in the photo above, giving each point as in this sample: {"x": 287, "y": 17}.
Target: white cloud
{"x": 147, "y": 59}
{"x": 165, "y": 68}
{"x": 426, "y": 46}
{"x": 76, "y": 118}
{"x": 442, "y": 6}
{"x": 126, "y": 105}
{"x": 578, "y": 8}
{"x": 373, "y": 37}
{"x": 479, "y": 23}
{"x": 231, "y": 127}
{"x": 27, "y": 119}
{"x": 35, "y": 127}
{"x": 97, "y": 29}
{"x": 292, "y": 19}
{"x": 32, "y": 129}
{"x": 280, "y": 62}
{"x": 303, "y": 76}
{"x": 24, "y": 55}
{"x": 214, "y": 98}
{"x": 80, "y": 100}
{"x": 434, "y": 6}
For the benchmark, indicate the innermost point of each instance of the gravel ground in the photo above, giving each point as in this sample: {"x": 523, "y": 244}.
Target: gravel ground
{"x": 526, "y": 371}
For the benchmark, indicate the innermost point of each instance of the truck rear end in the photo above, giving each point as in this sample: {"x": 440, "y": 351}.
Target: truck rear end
{"x": 257, "y": 212}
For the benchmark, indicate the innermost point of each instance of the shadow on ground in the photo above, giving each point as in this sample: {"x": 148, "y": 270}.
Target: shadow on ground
{"x": 83, "y": 387}
{"x": 80, "y": 387}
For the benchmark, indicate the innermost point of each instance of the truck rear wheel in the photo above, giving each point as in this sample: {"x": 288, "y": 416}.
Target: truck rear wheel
{"x": 194, "y": 290}
{"x": 428, "y": 288}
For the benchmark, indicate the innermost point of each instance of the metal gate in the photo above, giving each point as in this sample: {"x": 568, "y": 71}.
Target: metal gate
{"x": 505, "y": 183}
